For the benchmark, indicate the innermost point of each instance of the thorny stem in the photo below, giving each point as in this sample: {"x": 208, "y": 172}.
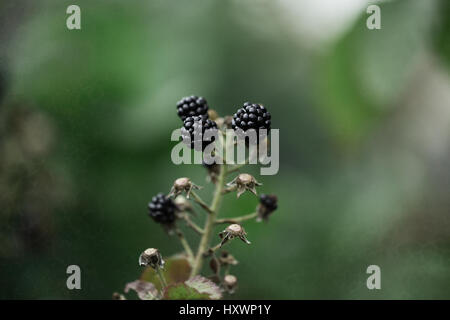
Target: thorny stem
{"x": 185, "y": 244}
{"x": 237, "y": 219}
{"x": 161, "y": 277}
{"x": 210, "y": 222}
{"x": 200, "y": 202}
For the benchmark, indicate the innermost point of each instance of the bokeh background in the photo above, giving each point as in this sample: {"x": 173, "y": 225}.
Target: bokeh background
{"x": 364, "y": 119}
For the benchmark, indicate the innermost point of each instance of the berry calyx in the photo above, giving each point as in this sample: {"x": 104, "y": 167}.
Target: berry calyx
{"x": 151, "y": 257}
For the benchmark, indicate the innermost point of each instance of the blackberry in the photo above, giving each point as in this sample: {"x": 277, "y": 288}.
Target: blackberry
{"x": 193, "y": 130}
{"x": 192, "y": 106}
{"x": 162, "y": 209}
{"x": 213, "y": 171}
{"x": 268, "y": 203}
{"x": 251, "y": 116}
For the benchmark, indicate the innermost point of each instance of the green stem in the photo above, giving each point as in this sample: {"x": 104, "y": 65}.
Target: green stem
{"x": 238, "y": 219}
{"x": 210, "y": 222}
{"x": 237, "y": 167}
{"x": 161, "y": 277}
{"x": 200, "y": 202}
{"x": 191, "y": 224}
{"x": 185, "y": 245}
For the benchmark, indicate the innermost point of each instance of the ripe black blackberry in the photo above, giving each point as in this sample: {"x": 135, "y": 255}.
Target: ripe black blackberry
{"x": 192, "y": 106}
{"x": 213, "y": 170}
{"x": 251, "y": 116}
{"x": 162, "y": 209}
{"x": 268, "y": 203}
{"x": 194, "y": 129}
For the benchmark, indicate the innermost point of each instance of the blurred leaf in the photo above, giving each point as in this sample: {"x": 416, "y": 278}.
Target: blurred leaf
{"x": 361, "y": 78}
{"x": 181, "y": 291}
{"x": 441, "y": 35}
{"x": 193, "y": 289}
{"x": 145, "y": 290}
{"x": 176, "y": 269}
{"x": 203, "y": 285}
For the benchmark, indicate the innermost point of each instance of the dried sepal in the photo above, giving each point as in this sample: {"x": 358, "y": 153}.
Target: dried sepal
{"x": 213, "y": 171}
{"x": 213, "y": 115}
{"x": 214, "y": 264}
{"x": 233, "y": 231}
{"x": 151, "y": 257}
{"x": 182, "y": 185}
{"x": 118, "y": 296}
{"x": 230, "y": 283}
{"x": 244, "y": 182}
{"x": 227, "y": 259}
{"x": 183, "y": 205}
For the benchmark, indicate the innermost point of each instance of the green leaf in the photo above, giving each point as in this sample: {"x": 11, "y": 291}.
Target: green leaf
{"x": 197, "y": 288}
{"x": 205, "y": 286}
{"x": 441, "y": 34}
{"x": 176, "y": 270}
{"x": 181, "y": 291}
{"x": 364, "y": 74}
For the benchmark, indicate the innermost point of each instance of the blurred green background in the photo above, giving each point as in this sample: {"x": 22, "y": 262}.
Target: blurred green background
{"x": 364, "y": 119}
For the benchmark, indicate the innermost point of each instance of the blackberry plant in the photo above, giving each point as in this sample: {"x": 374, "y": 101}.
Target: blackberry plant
{"x": 179, "y": 276}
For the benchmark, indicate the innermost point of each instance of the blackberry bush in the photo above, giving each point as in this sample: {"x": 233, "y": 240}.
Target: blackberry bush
{"x": 179, "y": 276}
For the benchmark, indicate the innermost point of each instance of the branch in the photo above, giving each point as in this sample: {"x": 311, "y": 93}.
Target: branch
{"x": 200, "y": 202}
{"x": 237, "y": 167}
{"x": 237, "y": 219}
{"x": 229, "y": 189}
{"x": 211, "y": 250}
{"x": 191, "y": 224}
{"x": 209, "y": 225}
{"x": 185, "y": 245}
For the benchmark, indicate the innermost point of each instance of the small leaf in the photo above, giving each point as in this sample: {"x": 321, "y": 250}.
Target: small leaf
{"x": 145, "y": 290}
{"x": 181, "y": 291}
{"x": 205, "y": 286}
{"x": 177, "y": 269}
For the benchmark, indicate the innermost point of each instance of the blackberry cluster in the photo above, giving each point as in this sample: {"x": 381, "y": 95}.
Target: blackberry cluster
{"x": 162, "y": 209}
{"x": 269, "y": 202}
{"x": 251, "y": 116}
{"x": 192, "y": 106}
{"x": 193, "y": 130}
